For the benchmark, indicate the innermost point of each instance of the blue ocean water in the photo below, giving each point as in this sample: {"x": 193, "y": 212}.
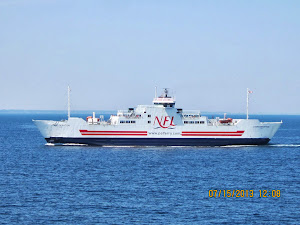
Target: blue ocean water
{"x": 155, "y": 185}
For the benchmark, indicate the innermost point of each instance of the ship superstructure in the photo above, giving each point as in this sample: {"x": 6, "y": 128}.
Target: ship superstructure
{"x": 159, "y": 124}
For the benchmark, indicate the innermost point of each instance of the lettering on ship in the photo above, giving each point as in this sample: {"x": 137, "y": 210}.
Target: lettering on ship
{"x": 165, "y": 122}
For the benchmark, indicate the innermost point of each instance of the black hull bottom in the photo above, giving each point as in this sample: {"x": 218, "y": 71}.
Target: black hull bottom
{"x": 160, "y": 141}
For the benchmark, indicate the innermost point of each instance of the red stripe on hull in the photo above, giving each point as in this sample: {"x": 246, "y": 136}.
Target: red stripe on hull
{"x": 209, "y": 135}
{"x": 213, "y": 132}
{"x": 111, "y": 131}
{"x": 116, "y": 134}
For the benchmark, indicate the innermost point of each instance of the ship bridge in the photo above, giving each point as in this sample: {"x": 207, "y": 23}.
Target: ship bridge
{"x": 164, "y": 99}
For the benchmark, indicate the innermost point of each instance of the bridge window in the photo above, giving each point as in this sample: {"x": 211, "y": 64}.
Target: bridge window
{"x": 149, "y": 121}
{"x": 127, "y": 121}
{"x": 193, "y": 122}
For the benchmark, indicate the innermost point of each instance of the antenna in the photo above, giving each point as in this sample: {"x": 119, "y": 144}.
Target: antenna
{"x": 247, "y": 103}
{"x": 69, "y": 105}
{"x": 248, "y": 92}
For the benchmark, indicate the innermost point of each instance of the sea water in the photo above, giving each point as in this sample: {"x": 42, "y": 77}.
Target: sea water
{"x": 42, "y": 184}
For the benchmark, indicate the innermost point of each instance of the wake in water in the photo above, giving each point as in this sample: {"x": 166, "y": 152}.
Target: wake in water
{"x": 285, "y": 145}
{"x": 136, "y": 146}
{"x": 66, "y": 144}
{"x": 238, "y": 146}
{"x": 50, "y": 144}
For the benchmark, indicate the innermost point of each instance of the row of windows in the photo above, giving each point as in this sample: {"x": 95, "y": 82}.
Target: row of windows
{"x": 165, "y": 104}
{"x": 130, "y": 121}
{"x": 127, "y": 121}
{"x": 133, "y": 116}
{"x": 192, "y": 122}
{"x": 186, "y": 122}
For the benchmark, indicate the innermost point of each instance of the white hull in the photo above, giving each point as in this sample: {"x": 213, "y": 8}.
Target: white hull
{"x": 158, "y": 124}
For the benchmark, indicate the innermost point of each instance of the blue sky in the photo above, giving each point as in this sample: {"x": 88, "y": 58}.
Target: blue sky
{"x": 113, "y": 54}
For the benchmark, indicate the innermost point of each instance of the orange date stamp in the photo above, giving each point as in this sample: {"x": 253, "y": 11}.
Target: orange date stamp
{"x": 243, "y": 193}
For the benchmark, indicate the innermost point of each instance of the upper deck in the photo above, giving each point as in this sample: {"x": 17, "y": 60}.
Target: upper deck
{"x": 162, "y": 112}
{"x": 164, "y": 100}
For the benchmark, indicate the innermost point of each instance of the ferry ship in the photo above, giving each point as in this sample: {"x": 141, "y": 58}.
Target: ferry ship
{"x": 159, "y": 124}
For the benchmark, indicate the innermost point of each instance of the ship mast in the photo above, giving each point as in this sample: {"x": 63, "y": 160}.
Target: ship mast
{"x": 248, "y": 92}
{"x": 69, "y": 104}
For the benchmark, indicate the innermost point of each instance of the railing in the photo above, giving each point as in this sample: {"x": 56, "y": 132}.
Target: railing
{"x": 191, "y": 114}
{"x": 163, "y": 100}
{"x": 128, "y": 115}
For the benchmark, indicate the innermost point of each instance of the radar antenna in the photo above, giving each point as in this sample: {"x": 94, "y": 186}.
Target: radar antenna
{"x": 166, "y": 91}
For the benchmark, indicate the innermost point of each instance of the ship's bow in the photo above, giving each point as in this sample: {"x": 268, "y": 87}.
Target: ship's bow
{"x": 274, "y": 126}
{"x": 44, "y": 127}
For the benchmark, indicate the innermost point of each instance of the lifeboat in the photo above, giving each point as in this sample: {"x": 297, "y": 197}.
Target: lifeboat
{"x": 228, "y": 120}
